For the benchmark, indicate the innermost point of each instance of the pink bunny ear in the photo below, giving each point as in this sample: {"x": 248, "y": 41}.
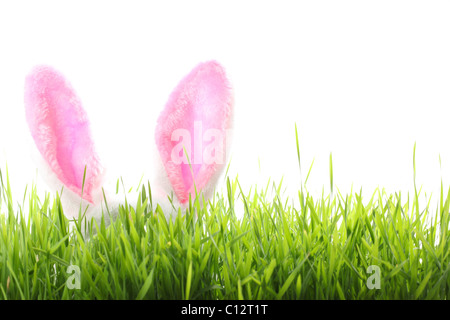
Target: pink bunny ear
{"x": 60, "y": 129}
{"x": 195, "y": 121}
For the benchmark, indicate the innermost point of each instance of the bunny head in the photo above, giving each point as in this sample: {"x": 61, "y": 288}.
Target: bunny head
{"x": 192, "y": 136}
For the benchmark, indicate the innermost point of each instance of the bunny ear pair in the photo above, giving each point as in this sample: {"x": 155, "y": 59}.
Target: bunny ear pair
{"x": 190, "y": 133}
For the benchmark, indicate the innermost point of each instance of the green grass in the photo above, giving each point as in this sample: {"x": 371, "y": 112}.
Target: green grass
{"x": 320, "y": 249}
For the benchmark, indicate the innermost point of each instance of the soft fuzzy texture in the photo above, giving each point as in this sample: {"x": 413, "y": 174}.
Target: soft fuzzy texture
{"x": 60, "y": 129}
{"x": 204, "y": 95}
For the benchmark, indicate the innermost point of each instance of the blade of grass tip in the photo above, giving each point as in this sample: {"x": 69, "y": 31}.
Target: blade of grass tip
{"x": 298, "y": 156}
{"x": 247, "y": 210}
{"x": 192, "y": 171}
{"x": 8, "y": 193}
{"x": 139, "y": 185}
{"x": 150, "y": 196}
{"x": 310, "y": 167}
{"x": 230, "y": 196}
{"x": 269, "y": 270}
{"x": 24, "y": 196}
{"x": 106, "y": 202}
{"x": 441, "y": 202}
{"x": 80, "y": 216}
{"x": 298, "y": 287}
{"x": 414, "y": 166}
{"x": 84, "y": 180}
{"x": 1, "y": 187}
{"x": 331, "y": 174}
{"x": 228, "y": 167}
{"x": 123, "y": 186}
{"x": 415, "y": 188}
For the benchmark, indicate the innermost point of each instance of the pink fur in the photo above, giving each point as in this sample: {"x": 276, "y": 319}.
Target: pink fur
{"x": 204, "y": 95}
{"x": 60, "y": 129}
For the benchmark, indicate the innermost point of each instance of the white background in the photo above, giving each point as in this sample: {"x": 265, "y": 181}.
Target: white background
{"x": 364, "y": 80}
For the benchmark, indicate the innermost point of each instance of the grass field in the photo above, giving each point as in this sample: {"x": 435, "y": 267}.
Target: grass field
{"x": 334, "y": 247}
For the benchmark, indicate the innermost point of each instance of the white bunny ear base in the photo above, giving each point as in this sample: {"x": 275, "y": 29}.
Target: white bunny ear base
{"x": 61, "y": 132}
